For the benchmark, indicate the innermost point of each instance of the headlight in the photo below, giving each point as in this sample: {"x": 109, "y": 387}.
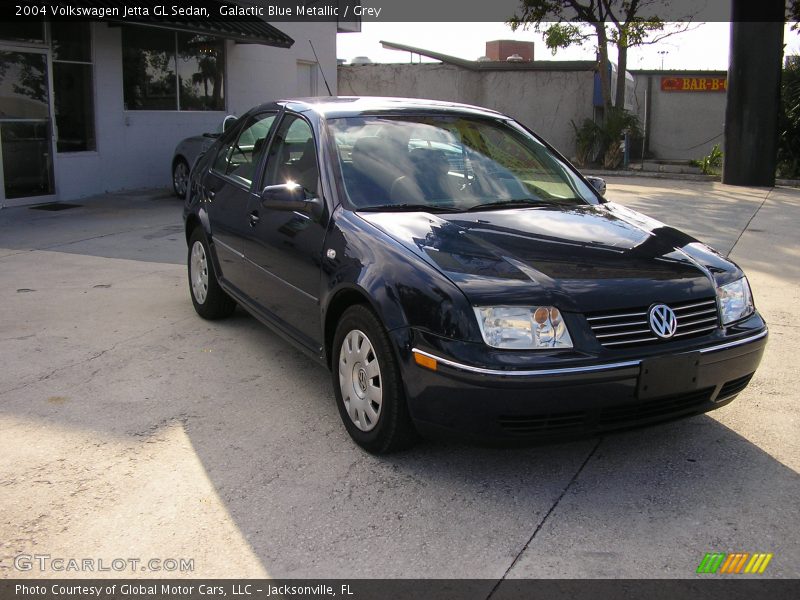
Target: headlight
{"x": 735, "y": 300}
{"x": 523, "y": 327}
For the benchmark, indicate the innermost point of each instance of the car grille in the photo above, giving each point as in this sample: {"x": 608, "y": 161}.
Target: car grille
{"x": 619, "y": 329}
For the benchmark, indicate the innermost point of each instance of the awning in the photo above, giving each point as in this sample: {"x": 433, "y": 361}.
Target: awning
{"x": 244, "y": 29}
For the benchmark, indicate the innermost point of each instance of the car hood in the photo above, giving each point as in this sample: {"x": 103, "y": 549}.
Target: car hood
{"x": 579, "y": 258}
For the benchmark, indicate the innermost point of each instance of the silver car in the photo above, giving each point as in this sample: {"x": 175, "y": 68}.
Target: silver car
{"x": 189, "y": 150}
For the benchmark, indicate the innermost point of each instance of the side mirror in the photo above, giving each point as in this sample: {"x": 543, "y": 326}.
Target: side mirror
{"x": 290, "y": 197}
{"x": 598, "y": 183}
{"x": 228, "y": 122}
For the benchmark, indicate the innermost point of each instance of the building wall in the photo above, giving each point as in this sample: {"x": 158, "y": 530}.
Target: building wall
{"x": 545, "y": 101}
{"x": 134, "y": 148}
{"x": 682, "y": 125}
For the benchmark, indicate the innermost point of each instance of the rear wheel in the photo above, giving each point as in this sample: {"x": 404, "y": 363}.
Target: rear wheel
{"x": 366, "y": 381}
{"x": 209, "y": 299}
{"x": 180, "y": 177}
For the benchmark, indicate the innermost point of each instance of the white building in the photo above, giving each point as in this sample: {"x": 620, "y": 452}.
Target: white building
{"x": 92, "y": 107}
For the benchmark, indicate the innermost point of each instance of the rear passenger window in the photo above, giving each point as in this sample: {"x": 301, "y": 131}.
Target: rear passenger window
{"x": 239, "y": 159}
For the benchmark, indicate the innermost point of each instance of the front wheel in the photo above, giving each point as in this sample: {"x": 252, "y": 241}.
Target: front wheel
{"x": 209, "y": 299}
{"x": 366, "y": 381}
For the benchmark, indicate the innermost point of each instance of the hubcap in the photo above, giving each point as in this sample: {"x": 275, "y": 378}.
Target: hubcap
{"x": 360, "y": 380}
{"x": 198, "y": 272}
{"x": 180, "y": 177}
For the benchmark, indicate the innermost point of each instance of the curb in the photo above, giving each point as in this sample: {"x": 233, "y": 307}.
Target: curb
{"x": 677, "y": 176}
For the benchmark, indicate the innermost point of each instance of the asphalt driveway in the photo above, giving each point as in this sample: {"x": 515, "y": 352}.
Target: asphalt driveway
{"x": 131, "y": 428}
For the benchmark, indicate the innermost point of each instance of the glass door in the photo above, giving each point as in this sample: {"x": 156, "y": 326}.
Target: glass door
{"x": 26, "y": 127}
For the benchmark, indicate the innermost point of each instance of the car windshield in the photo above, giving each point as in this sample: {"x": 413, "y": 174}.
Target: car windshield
{"x": 449, "y": 163}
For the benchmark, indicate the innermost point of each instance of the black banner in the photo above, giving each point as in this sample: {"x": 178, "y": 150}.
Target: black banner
{"x": 704, "y": 587}
{"x": 359, "y": 10}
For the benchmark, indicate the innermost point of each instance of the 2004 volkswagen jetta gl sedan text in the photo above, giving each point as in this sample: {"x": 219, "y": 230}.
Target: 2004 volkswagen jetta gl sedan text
{"x": 456, "y": 274}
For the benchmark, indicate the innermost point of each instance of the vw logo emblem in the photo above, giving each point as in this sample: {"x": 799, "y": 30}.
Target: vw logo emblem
{"x": 663, "y": 321}
{"x": 362, "y": 380}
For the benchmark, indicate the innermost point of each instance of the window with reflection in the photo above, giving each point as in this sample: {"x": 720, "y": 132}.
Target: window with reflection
{"x": 167, "y": 70}
{"x": 239, "y": 158}
{"x": 25, "y": 125}
{"x": 293, "y": 156}
{"x": 72, "y": 86}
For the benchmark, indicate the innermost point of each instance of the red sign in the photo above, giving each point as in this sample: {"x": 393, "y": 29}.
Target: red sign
{"x": 694, "y": 84}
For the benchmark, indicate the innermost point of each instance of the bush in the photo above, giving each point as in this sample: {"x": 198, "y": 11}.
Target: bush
{"x": 712, "y": 163}
{"x": 604, "y": 139}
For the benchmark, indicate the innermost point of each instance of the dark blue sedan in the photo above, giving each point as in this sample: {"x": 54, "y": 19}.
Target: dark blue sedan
{"x": 457, "y": 275}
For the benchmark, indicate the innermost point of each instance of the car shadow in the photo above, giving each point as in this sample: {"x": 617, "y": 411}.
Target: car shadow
{"x": 261, "y": 421}
{"x": 226, "y": 413}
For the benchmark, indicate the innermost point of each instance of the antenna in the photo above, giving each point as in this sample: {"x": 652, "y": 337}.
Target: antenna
{"x": 319, "y": 66}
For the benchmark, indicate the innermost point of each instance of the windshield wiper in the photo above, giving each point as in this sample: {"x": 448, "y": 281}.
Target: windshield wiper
{"x": 431, "y": 208}
{"x": 521, "y": 203}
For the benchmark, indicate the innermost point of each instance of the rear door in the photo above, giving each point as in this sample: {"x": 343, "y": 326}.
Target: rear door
{"x": 228, "y": 186}
{"x": 286, "y": 247}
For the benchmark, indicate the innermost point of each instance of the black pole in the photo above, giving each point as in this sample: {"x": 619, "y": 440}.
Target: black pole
{"x": 754, "y": 82}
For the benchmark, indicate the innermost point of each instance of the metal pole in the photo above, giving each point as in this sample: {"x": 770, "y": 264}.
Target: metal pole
{"x": 753, "y": 94}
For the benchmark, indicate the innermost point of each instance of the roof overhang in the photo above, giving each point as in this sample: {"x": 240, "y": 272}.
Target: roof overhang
{"x": 244, "y": 29}
{"x": 500, "y": 65}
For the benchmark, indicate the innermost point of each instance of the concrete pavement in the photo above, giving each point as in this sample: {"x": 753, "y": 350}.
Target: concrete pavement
{"x": 132, "y": 428}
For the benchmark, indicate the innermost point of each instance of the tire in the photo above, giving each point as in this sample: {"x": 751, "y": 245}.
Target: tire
{"x": 209, "y": 299}
{"x": 366, "y": 382}
{"x": 180, "y": 177}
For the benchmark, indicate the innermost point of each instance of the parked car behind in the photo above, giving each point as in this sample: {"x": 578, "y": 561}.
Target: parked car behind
{"x": 456, "y": 274}
{"x": 189, "y": 150}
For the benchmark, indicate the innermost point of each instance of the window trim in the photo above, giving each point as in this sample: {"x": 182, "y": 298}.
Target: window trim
{"x": 237, "y": 131}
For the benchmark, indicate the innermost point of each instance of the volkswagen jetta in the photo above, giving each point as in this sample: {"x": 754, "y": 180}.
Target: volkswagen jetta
{"x": 456, "y": 274}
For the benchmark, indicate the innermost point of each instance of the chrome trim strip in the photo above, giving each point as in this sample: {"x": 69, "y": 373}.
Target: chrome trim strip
{"x": 708, "y": 302}
{"x": 228, "y": 248}
{"x": 636, "y": 341}
{"x": 621, "y": 333}
{"x": 628, "y": 324}
{"x": 259, "y": 267}
{"x": 637, "y": 314}
{"x": 700, "y": 330}
{"x": 283, "y": 281}
{"x": 532, "y": 373}
{"x": 570, "y": 370}
{"x": 710, "y": 309}
{"x": 752, "y": 338}
{"x": 697, "y": 322}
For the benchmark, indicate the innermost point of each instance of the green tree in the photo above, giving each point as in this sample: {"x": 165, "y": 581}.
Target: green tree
{"x": 789, "y": 123}
{"x": 622, "y": 23}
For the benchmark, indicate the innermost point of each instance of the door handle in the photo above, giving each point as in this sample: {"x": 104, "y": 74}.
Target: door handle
{"x": 254, "y": 218}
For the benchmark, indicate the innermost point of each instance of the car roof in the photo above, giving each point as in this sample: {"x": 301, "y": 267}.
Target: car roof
{"x": 332, "y": 107}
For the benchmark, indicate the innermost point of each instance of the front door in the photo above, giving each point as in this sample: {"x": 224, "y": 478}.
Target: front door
{"x": 26, "y": 127}
{"x": 286, "y": 247}
{"x": 228, "y": 188}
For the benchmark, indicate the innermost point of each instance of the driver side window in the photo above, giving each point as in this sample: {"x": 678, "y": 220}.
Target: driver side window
{"x": 293, "y": 156}
{"x": 239, "y": 158}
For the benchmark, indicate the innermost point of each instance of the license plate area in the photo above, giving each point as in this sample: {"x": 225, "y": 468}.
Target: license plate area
{"x": 668, "y": 375}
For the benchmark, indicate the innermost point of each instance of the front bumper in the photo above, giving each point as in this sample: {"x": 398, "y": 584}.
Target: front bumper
{"x": 554, "y": 402}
